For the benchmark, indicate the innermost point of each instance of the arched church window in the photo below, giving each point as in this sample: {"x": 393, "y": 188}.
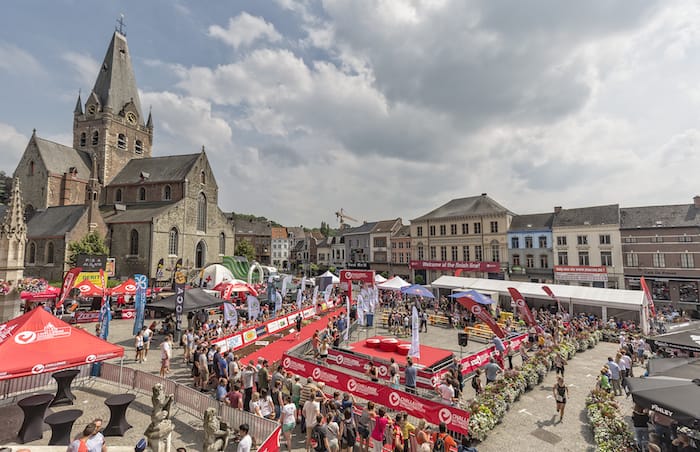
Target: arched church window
{"x": 83, "y": 139}
{"x": 200, "y": 254}
{"x": 222, "y": 243}
{"x": 121, "y": 141}
{"x": 167, "y": 193}
{"x": 50, "y": 253}
{"x": 202, "y": 213}
{"x": 31, "y": 168}
{"x": 95, "y": 138}
{"x": 173, "y": 242}
{"x": 138, "y": 147}
{"x": 203, "y": 177}
{"x": 32, "y": 253}
{"x": 142, "y": 194}
{"x": 134, "y": 243}
{"x": 118, "y": 195}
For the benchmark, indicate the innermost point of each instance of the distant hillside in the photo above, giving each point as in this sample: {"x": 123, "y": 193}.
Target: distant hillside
{"x": 248, "y": 217}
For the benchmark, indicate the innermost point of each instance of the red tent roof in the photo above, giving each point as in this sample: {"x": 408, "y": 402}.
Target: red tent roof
{"x": 38, "y": 342}
{"x": 88, "y": 289}
{"x": 128, "y": 287}
{"x": 47, "y": 294}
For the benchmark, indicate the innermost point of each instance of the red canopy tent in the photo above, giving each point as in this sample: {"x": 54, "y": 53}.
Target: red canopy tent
{"x": 88, "y": 289}
{"x": 229, "y": 287}
{"x": 47, "y": 294}
{"x": 38, "y": 342}
{"x": 128, "y": 287}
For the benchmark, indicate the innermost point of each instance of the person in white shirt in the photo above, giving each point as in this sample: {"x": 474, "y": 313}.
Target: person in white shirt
{"x": 288, "y": 419}
{"x": 447, "y": 392}
{"x": 166, "y": 350}
{"x": 311, "y": 409}
{"x": 246, "y": 441}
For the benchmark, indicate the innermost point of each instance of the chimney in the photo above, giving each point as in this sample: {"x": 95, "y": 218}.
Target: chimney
{"x": 696, "y": 201}
{"x": 557, "y": 209}
{"x": 483, "y": 194}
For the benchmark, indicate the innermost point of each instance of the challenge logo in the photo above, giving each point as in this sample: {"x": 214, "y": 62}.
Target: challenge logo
{"x": 90, "y": 358}
{"x": 348, "y": 275}
{"x": 25, "y": 337}
{"x": 352, "y": 385}
{"x": 286, "y": 362}
{"x": 6, "y": 331}
{"x": 130, "y": 288}
{"x": 316, "y": 373}
{"x": 339, "y": 359}
{"x": 394, "y": 399}
{"x": 445, "y": 416}
{"x": 382, "y": 371}
{"x": 38, "y": 368}
{"x": 476, "y": 309}
{"x": 520, "y": 302}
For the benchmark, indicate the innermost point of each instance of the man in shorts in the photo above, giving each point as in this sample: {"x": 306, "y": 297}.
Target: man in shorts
{"x": 166, "y": 351}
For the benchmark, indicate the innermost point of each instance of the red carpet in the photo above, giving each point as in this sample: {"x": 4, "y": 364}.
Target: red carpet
{"x": 429, "y": 356}
{"x": 273, "y": 352}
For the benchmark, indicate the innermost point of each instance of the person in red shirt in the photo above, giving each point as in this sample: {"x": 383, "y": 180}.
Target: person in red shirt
{"x": 445, "y": 437}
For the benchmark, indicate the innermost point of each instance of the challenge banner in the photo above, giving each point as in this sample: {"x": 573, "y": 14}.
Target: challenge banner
{"x": 140, "y": 302}
{"x": 482, "y": 313}
{"x": 549, "y": 292}
{"x": 523, "y": 308}
{"x": 180, "y": 281}
{"x": 68, "y": 282}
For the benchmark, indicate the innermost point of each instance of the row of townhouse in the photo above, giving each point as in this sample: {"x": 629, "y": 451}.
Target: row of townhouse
{"x": 599, "y": 246}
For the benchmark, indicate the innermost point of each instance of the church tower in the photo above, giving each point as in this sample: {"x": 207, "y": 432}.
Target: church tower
{"x": 112, "y": 127}
{"x": 13, "y": 237}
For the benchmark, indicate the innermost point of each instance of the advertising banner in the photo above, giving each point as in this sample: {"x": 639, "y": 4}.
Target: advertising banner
{"x": 482, "y": 313}
{"x": 523, "y": 308}
{"x": 68, "y": 282}
{"x": 180, "y": 281}
{"x": 140, "y": 301}
{"x": 272, "y": 443}
{"x": 457, "y": 420}
{"x": 487, "y": 267}
{"x": 580, "y": 273}
{"x": 87, "y": 316}
{"x": 549, "y": 292}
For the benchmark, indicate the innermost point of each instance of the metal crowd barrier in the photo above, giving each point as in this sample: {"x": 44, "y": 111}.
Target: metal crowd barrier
{"x": 9, "y": 389}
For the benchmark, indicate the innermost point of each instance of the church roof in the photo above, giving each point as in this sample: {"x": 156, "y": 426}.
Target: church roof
{"x": 116, "y": 85}
{"x": 171, "y": 168}
{"x": 59, "y": 158}
{"x": 139, "y": 213}
{"x": 54, "y": 221}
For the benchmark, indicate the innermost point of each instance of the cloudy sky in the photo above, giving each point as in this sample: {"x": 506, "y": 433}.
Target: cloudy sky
{"x": 385, "y": 108}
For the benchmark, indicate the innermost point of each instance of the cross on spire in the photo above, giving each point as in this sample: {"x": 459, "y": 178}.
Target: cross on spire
{"x": 121, "y": 25}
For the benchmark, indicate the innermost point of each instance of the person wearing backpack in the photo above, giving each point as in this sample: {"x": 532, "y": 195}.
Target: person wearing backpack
{"x": 320, "y": 435}
{"x": 348, "y": 432}
{"x": 442, "y": 441}
{"x": 80, "y": 444}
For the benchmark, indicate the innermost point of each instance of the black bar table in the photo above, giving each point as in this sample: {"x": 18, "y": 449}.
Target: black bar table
{"x": 64, "y": 378}
{"x": 61, "y": 424}
{"x": 118, "y": 405}
{"x": 34, "y": 408}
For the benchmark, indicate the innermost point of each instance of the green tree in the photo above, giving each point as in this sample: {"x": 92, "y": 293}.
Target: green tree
{"x": 245, "y": 248}
{"x": 92, "y": 243}
{"x": 419, "y": 279}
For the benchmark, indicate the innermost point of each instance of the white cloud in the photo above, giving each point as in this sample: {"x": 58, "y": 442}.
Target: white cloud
{"x": 12, "y": 144}
{"x": 16, "y": 61}
{"x": 85, "y": 67}
{"x": 243, "y": 30}
{"x": 184, "y": 124}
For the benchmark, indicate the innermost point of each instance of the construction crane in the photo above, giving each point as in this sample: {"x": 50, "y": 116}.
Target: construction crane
{"x": 342, "y": 216}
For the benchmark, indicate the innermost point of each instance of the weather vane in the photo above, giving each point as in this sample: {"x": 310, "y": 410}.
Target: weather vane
{"x": 120, "y": 25}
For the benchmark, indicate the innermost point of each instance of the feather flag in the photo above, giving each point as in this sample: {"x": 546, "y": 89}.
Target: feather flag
{"x": 327, "y": 293}
{"x": 523, "y": 308}
{"x": 315, "y": 296}
{"x": 414, "y": 351}
{"x": 253, "y": 307}
{"x": 346, "y": 333}
{"x": 300, "y": 298}
{"x": 549, "y": 292}
{"x": 230, "y": 314}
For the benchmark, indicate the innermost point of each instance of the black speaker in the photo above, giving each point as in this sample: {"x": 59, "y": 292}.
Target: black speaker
{"x": 462, "y": 339}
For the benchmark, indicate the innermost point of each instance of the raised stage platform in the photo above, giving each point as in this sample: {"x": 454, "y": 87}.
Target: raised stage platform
{"x": 430, "y": 357}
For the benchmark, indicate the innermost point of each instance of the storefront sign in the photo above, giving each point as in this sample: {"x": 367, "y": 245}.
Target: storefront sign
{"x": 580, "y": 273}
{"x": 457, "y": 420}
{"x": 487, "y": 267}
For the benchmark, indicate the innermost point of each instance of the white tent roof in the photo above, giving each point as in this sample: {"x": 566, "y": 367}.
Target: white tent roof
{"x": 588, "y": 296}
{"x": 379, "y": 278}
{"x": 395, "y": 283}
{"x": 334, "y": 280}
{"x": 214, "y": 274}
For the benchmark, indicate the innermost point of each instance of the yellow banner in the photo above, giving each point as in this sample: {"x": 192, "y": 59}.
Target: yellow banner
{"x": 93, "y": 277}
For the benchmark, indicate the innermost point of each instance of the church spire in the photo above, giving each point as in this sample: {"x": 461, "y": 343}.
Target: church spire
{"x": 13, "y": 223}
{"x": 115, "y": 86}
{"x": 149, "y": 123}
{"x": 78, "y": 106}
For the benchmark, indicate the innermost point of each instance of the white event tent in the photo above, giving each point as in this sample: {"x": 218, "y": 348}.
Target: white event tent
{"x": 334, "y": 279}
{"x": 395, "y": 283}
{"x": 615, "y": 302}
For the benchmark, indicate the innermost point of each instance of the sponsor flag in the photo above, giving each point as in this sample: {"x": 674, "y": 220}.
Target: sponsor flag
{"x": 285, "y": 282}
{"x": 300, "y": 297}
{"x": 482, "y": 313}
{"x": 647, "y": 295}
{"x": 180, "y": 281}
{"x": 105, "y": 317}
{"x": 414, "y": 351}
{"x": 68, "y": 282}
{"x": 523, "y": 308}
{"x": 253, "y": 307}
{"x": 360, "y": 306}
{"x": 315, "y": 294}
{"x": 327, "y": 292}
{"x": 346, "y": 333}
{"x": 140, "y": 302}
{"x": 549, "y": 292}
{"x": 230, "y": 314}
{"x": 176, "y": 270}
{"x": 104, "y": 286}
{"x": 303, "y": 283}
{"x": 278, "y": 301}
{"x": 159, "y": 268}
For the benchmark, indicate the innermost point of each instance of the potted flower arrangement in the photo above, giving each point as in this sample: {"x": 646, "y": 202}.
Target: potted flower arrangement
{"x": 5, "y": 287}
{"x": 481, "y": 421}
{"x": 610, "y": 431}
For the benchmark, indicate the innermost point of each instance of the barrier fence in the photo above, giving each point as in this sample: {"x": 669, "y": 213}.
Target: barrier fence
{"x": 31, "y": 383}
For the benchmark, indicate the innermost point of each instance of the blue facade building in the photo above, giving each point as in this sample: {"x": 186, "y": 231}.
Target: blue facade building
{"x": 530, "y": 256}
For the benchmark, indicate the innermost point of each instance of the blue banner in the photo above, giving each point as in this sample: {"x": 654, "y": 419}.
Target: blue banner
{"x": 140, "y": 302}
{"x": 105, "y": 317}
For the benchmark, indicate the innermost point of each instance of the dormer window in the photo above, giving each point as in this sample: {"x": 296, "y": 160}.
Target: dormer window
{"x": 138, "y": 147}
{"x": 167, "y": 193}
{"x": 142, "y": 194}
{"x": 118, "y": 195}
{"x": 83, "y": 139}
{"x": 121, "y": 141}
{"x": 95, "y": 138}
